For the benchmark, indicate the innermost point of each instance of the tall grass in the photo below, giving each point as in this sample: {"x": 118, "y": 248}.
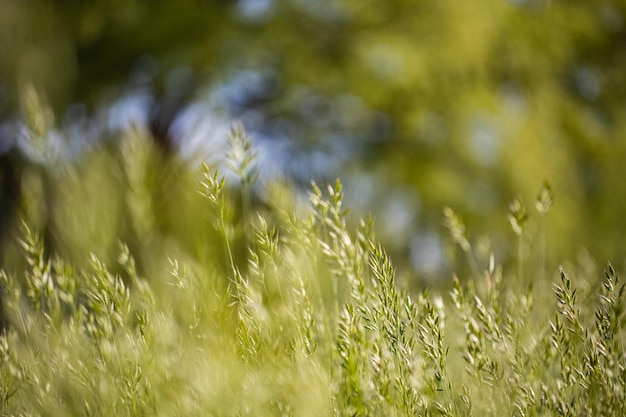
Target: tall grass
{"x": 294, "y": 313}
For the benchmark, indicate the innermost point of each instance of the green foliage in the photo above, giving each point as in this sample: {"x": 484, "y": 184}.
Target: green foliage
{"x": 462, "y": 105}
{"x": 231, "y": 299}
{"x": 304, "y": 317}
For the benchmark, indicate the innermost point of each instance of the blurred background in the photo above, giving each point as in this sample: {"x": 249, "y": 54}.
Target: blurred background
{"x": 415, "y": 105}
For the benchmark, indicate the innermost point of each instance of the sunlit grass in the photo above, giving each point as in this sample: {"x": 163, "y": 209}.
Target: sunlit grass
{"x": 291, "y": 312}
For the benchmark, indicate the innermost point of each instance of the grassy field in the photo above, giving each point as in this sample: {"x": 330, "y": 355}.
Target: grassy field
{"x": 295, "y": 309}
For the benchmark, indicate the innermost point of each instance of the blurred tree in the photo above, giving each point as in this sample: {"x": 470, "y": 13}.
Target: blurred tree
{"x": 421, "y": 104}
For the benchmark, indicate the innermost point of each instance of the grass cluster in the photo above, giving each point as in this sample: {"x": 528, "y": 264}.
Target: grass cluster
{"x": 300, "y": 314}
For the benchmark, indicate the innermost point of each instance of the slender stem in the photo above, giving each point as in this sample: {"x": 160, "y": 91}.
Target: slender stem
{"x": 246, "y": 189}
{"x": 471, "y": 260}
{"x": 520, "y": 261}
{"x": 542, "y": 247}
{"x": 226, "y": 237}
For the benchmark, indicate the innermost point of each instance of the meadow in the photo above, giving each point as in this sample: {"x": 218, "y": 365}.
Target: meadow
{"x": 289, "y": 308}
